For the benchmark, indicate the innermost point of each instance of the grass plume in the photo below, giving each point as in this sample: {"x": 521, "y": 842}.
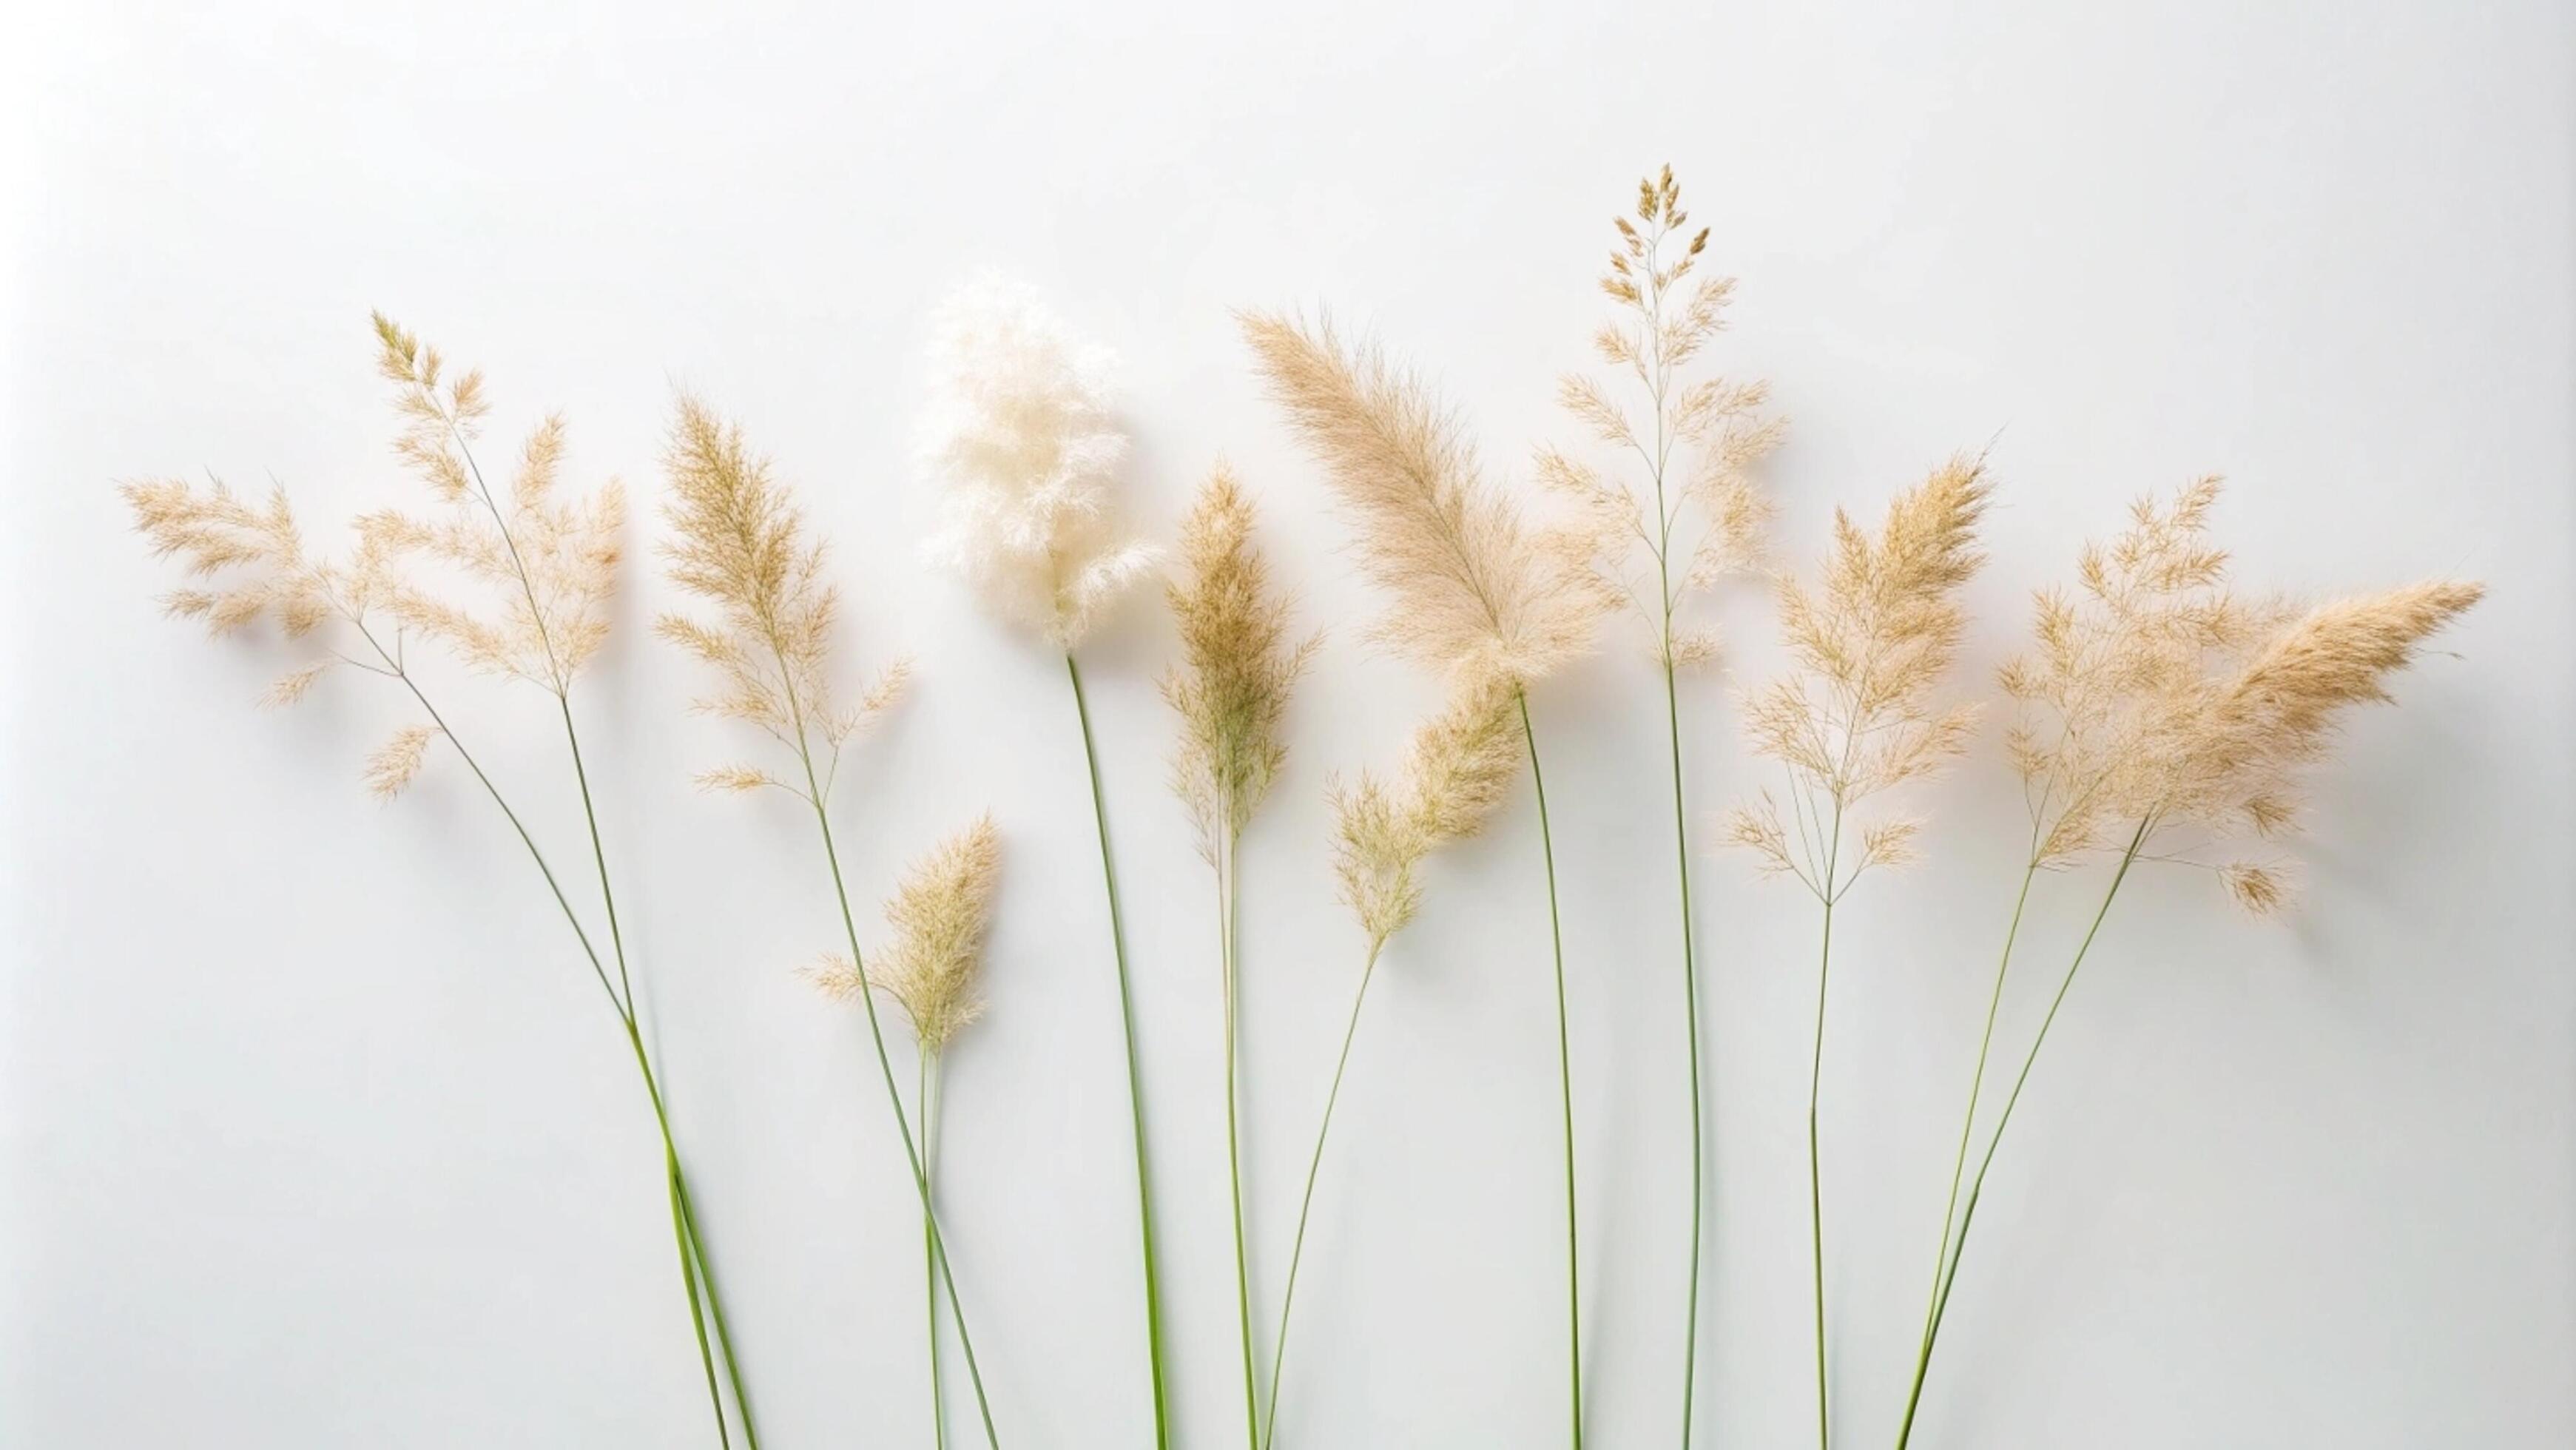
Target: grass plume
{"x": 739, "y": 545}
{"x": 1479, "y": 594}
{"x": 1238, "y": 667}
{"x": 2162, "y": 717}
{"x": 1873, "y": 638}
{"x": 1679, "y": 513}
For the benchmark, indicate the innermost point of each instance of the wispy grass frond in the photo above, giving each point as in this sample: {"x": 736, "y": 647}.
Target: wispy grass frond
{"x": 1680, "y": 511}
{"x": 1477, "y": 588}
{"x": 1872, "y": 636}
{"x": 1238, "y": 665}
{"x": 739, "y": 544}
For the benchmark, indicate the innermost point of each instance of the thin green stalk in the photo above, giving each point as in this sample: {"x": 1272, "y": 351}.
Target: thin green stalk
{"x": 1135, "y": 1070}
{"x": 1230, "y": 951}
{"x": 684, "y": 1220}
{"x": 894, "y": 1095}
{"x": 1690, "y": 1013}
{"x": 926, "y": 1099}
{"x": 697, "y": 1313}
{"x": 1306, "y": 1203}
{"x": 1967, "y": 1130}
{"x": 1815, "y": 1082}
{"x": 1976, "y": 1188}
{"x": 1565, "y": 1090}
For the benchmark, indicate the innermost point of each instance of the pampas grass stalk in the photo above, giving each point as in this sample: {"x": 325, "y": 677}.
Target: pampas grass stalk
{"x": 1481, "y": 596}
{"x": 940, "y": 914}
{"x": 1231, "y": 691}
{"x": 740, "y": 546}
{"x": 1872, "y": 640}
{"x": 1022, "y": 438}
{"x": 2158, "y": 705}
{"x": 1696, "y": 528}
{"x": 552, "y": 563}
{"x": 1462, "y": 763}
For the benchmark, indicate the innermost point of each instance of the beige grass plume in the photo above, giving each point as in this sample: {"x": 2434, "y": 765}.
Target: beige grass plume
{"x": 1461, "y": 764}
{"x": 1021, "y": 434}
{"x": 1238, "y": 665}
{"x": 547, "y": 560}
{"x": 740, "y": 545}
{"x": 1872, "y": 638}
{"x": 2154, "y": 701}
{"x": 1657, "y": 539}
{"x": 548, "y": 563}
{"x": 940, "y": 914}
{"x": 1477, "y": 588}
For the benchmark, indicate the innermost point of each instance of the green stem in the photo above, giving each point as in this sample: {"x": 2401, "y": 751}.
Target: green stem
{"x": 894, "y": 1098}
{"x": 1967, "y": 1130}
{"x": 1306, "y": 1203}
{"x": 1230, "y": 953}
{"x": 697, "y": 1312}
{"x": 685, "y": 1222}
{"x": 1135, "y": 1070}
{"x": 1690, "y": 1013}
{"x": 1815, "y": 1083}
{"x": 925, "y": 1098}
{"x": 1565, "y": 1091}
{"x": 1976, "y": 1188}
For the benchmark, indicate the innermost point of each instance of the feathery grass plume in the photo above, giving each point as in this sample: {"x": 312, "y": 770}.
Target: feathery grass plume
{"x": 552, "y": 563}
{"x": 740, "y": 545}
{"x": 1479, "y": 593}
{"x": 1461, "y": 764}
{"x": 1238, "y": 666}
{"x": 1231, "y": 692}
{"x": 1477, "y": 588}
{"x": 939, "y": 915}
{"x": 1872, "y": 638}
{"x": 2157, "y": 704}
{"x": 1679, "y": 513}
{"x": 1020, "y": 435}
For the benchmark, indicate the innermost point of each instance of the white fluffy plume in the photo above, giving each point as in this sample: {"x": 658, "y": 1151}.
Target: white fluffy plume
{"x": 1021, "y": 438}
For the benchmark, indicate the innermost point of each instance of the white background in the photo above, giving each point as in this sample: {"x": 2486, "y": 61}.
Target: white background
{"x": 312, "y": 1132}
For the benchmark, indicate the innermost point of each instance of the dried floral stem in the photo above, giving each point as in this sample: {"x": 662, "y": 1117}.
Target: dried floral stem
{"x": 1815, "y": 1083}
{"x": 1968, "y": 1126}
{"x": 926, "y": 1102}
{"x": 1690, "y": 1012}
{"x": 1968, "y": 1216}
{"x": 693, "y": 1268}
{"x": 1306, "y": 1201}
{"x": 1230, "y": 946}
{"x": 1565, "y": 1090}
{"x": 1135, "y": 1070}
{"x": 894, "y": 1095}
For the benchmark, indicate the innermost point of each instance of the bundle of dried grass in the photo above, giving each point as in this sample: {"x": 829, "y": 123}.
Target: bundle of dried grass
{"x": 2163, "y": 717}
{"x": 739, "y": 544}
{"x": 1679, "y": 513}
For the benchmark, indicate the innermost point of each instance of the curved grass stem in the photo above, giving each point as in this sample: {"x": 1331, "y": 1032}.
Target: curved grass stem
{"x": 1565, "y": 1090}
{"x": 1976, "y": 1188}
{"x": 1306, "y": 1201}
